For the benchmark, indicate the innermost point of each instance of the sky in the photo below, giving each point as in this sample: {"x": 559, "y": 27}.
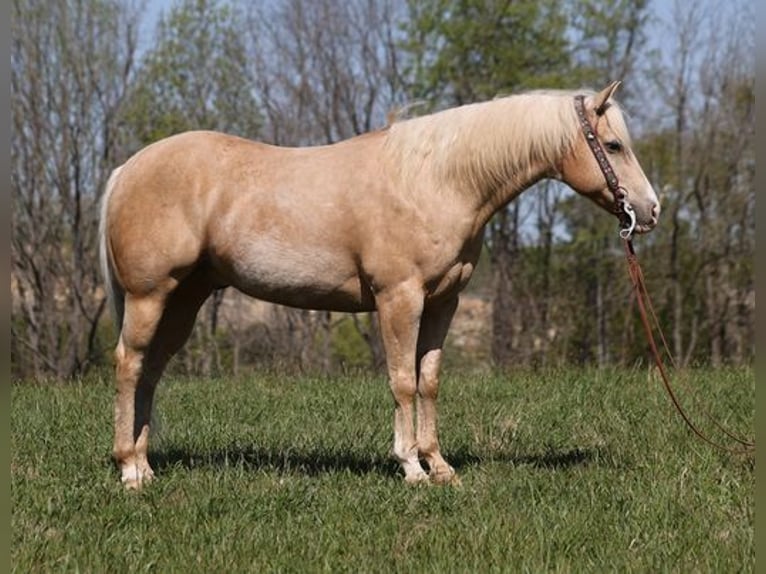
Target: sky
{"x": 663, "y": 9}
{"x": 660, "y": 38}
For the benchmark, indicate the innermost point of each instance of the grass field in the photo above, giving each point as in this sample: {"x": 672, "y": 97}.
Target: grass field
{"x": 562, "y": 471}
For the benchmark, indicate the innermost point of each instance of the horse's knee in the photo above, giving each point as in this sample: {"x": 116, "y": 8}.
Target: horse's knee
{"x": 428, "y": 387}
{"x": 403, "y": 388}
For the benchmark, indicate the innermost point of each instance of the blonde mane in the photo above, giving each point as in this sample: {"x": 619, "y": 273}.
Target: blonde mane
{"x": 491, "y": 143}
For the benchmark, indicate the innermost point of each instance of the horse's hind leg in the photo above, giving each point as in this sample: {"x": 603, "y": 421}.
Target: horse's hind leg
{"x": 154, "y": 329}
{"x": 136, "y": 380}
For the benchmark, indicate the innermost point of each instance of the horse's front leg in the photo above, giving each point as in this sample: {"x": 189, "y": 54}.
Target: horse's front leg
{"x": 434, "y": 325}
{"x": 399, "y": 311}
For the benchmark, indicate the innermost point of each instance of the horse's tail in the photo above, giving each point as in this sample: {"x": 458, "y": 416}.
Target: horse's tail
{"x": 114, "y": 293}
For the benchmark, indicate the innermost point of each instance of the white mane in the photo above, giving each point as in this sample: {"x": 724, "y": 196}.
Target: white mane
{"x": 490, "y": 143}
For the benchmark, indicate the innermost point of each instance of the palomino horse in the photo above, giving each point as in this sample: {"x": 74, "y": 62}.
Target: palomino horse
{"x": 392, "y": 221}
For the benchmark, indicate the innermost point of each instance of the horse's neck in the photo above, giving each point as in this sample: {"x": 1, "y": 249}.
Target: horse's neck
{"x": 495, "y": 195}
{"x": 484, "y": 153}
{"x": 495, "y": 168}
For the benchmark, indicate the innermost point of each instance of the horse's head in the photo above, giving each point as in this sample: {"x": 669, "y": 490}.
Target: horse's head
{"x": 603, "y": 146}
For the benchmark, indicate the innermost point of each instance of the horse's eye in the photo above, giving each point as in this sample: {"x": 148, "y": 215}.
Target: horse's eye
{"x": 613, "y": 146}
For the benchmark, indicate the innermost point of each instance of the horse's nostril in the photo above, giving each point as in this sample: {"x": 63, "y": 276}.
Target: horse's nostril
{"x": 655, "y": 210}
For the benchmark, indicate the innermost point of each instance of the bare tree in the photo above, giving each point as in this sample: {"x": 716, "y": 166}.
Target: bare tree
{"x": 71, "y": 64}
{"x": 303, "y": 72}
{"x": 324, "y": 71}
{"x": 707, "y": 89}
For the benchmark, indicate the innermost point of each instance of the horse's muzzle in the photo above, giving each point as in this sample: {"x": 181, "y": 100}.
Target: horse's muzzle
{"x": 646, "y": 224}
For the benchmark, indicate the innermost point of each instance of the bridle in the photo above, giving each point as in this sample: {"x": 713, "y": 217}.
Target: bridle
{"x": 622, "y": 208}
{"x": 627, "y": 216}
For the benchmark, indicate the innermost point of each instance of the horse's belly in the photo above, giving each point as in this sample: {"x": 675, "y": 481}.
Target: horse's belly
{"x": 303, "y": 276}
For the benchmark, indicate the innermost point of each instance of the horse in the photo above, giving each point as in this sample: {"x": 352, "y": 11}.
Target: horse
{"x": 390, "y": 221}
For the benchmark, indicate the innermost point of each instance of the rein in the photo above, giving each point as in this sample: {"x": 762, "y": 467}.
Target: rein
{"x": 627, "y": 217}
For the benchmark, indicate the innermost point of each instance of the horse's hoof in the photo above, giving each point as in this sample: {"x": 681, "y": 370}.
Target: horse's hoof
{"x": 444, "y": 477}
{"x": 134, "y": 478}
{"x": 417, "y": 478}
{"x": 131, "y": 484}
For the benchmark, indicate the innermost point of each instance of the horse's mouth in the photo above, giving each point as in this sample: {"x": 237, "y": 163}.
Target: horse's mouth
{"x": 645, "y": 222}
{"x": 640, "y": 229}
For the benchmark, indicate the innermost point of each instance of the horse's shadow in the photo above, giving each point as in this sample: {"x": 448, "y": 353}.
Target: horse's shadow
{"x": 308, "y": 461}
{"x": 317, "y": 461}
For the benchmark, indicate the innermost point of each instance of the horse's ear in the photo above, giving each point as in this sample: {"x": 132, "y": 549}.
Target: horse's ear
{"x": 601, "y": 100}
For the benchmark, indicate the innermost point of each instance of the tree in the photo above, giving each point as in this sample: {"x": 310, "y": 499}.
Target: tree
{"x": 462, "y": 51}
{"x": 71, "y": 65}
{"x": 300, "y": 72}
{"x": 608, "y": 37}
{"x": 196, "y": 75}
{"x": 326, "y": 70}
{"x": 701, "y": 154}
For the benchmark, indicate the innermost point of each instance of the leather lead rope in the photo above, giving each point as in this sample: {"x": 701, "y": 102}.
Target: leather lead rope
{"x": 626, "y": 214}
{"x": 644, "y": 304}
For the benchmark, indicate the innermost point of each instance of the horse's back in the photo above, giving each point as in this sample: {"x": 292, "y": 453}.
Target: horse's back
{"x": 266, "y": 219}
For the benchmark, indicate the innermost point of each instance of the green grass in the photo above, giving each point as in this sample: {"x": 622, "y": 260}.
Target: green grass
{"x": 563, "y": 471}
